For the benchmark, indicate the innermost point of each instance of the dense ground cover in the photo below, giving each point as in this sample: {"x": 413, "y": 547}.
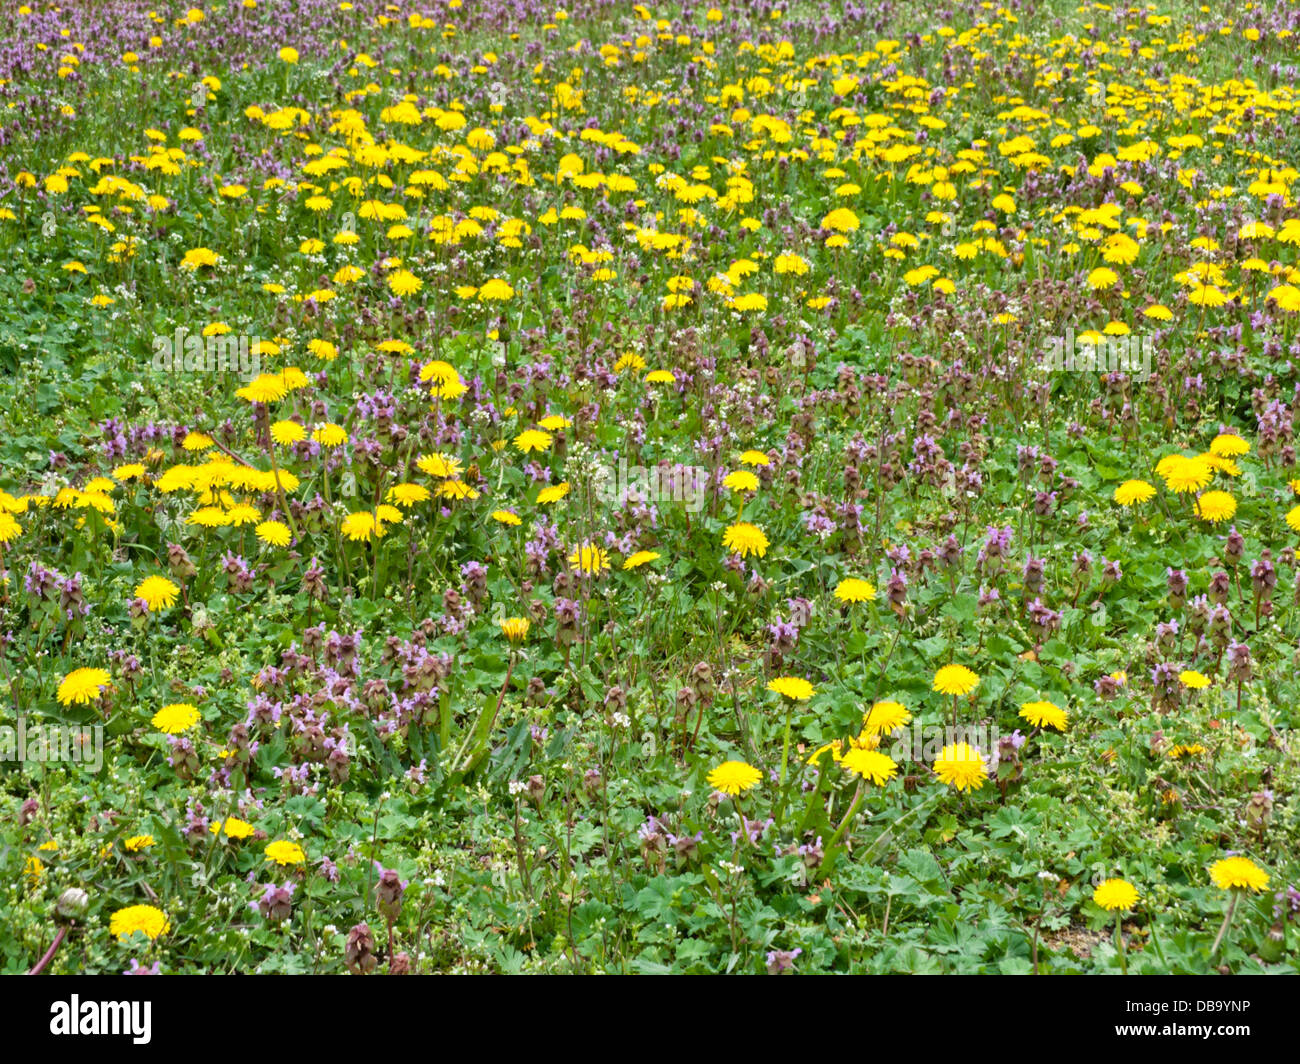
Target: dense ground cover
{"x": 635, "y": 489}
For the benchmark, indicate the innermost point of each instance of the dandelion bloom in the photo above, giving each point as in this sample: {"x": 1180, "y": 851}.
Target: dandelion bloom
{"x": 734, "y": 777}
{"x": 152, "y": 921}
{"x": 242, "y": 515}
{"x": 208, "y": 517}
{"x": 496, "y": 289}
{"x": 553, "y": 493}
{"x": 285, "y": 853}
{"x": 233, "y": 828}
{"x": 745, "y": 539}
{"x": 1186, "y": 475}
{"x": 158, "y": 592}
{"x": 532, "y": 440}
{"x": 176, "y": 718}
{"x": 640, "y": 558}
{"x": 273, "y": 533}
{"x": 955, "y": 680}
{"x": 359, "y": 525}
{"x": 870, "y": 765}
{"x": 197, "y": 257}
{"x": 443, "y": 466}
{"x": 755, "y": 458}
{"x": 589, "y": 559}
{"x": 404, "y": 283}
{"x": 1044, "y": 715}
{"x": 885, "y": 718}
{"x": 267, "y": 388}
{"x": 1215, "y": 506}
{"x": 287, "y": 433}
{"x": 1132, "y": 492}
{"x": 960, "y": 765}
{"x": 740, "y": 480}
{"x": 82, "y": 685}
{"x": 456, "y": 489}
{"x": 329, "y": 435}
{"x": 1293, "y": 519}
{"x": 1113, "y": 894}
{"x": 1193, "y": 680}
{"x": 852, "y": 589}
{"x": 1229, "y": 445}
{"x": 792, "y": 687}
{"x": 407, "y": 494}
{"x": 1238, "y": 873}
{"x": 514, "y": 628}
{"x": 506, "y": 517}
{"x": 1102, "y": 277}
{"x": 136, "y": 843}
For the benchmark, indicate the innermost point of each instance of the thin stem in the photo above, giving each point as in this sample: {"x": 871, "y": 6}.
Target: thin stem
{"x": 49, "y": 953}
{"x": 1227, "y": 922}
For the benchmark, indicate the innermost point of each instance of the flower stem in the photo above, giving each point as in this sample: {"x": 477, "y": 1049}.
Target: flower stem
{"x": 1227, "y": 922}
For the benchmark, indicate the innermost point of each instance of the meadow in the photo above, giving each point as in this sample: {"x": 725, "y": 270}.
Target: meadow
{"x": 774, "y": 487}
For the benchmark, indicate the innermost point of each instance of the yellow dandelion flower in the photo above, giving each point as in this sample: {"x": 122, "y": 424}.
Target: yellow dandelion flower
{"x": 1229, "y": 445}
{"x": 955, "y": 680}
{"x": 1238, "y": 873}
{"x": 1044, "y": 715}
{"x": 82, "y": 686}
{"x": 287, "y": 433}
{"x": 590, "y": 559}
{"x": 851, "y": 589}
{"x": 741, "y": 480}
{"x": 1132, "y": 492}
{"x": 514, "y": 629}
{"x": 870, "y": 765}
{"x": 158, "y": 592}
{"x": 1115, "y": 894}
{"x": 1215, "y": 507}
{"x": 793, "y": 687}
{"x": 443, "y": 466}
{"x": 285, "y": 853}
{"x": 885, "y": 718}
{"x": 734, "y": 777}
{"x": 273, "y": 533}
{"x": 145, "y": 918}
{"x": 176, "y": 718}
{"x": 232, "y": 828}
{"x": 532, "y": 440}
{"x": 407, "y": 494}
{"x": 745, "y": 539}
{"x": 358, "y": 526}
{"x": 960, "y": 765}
